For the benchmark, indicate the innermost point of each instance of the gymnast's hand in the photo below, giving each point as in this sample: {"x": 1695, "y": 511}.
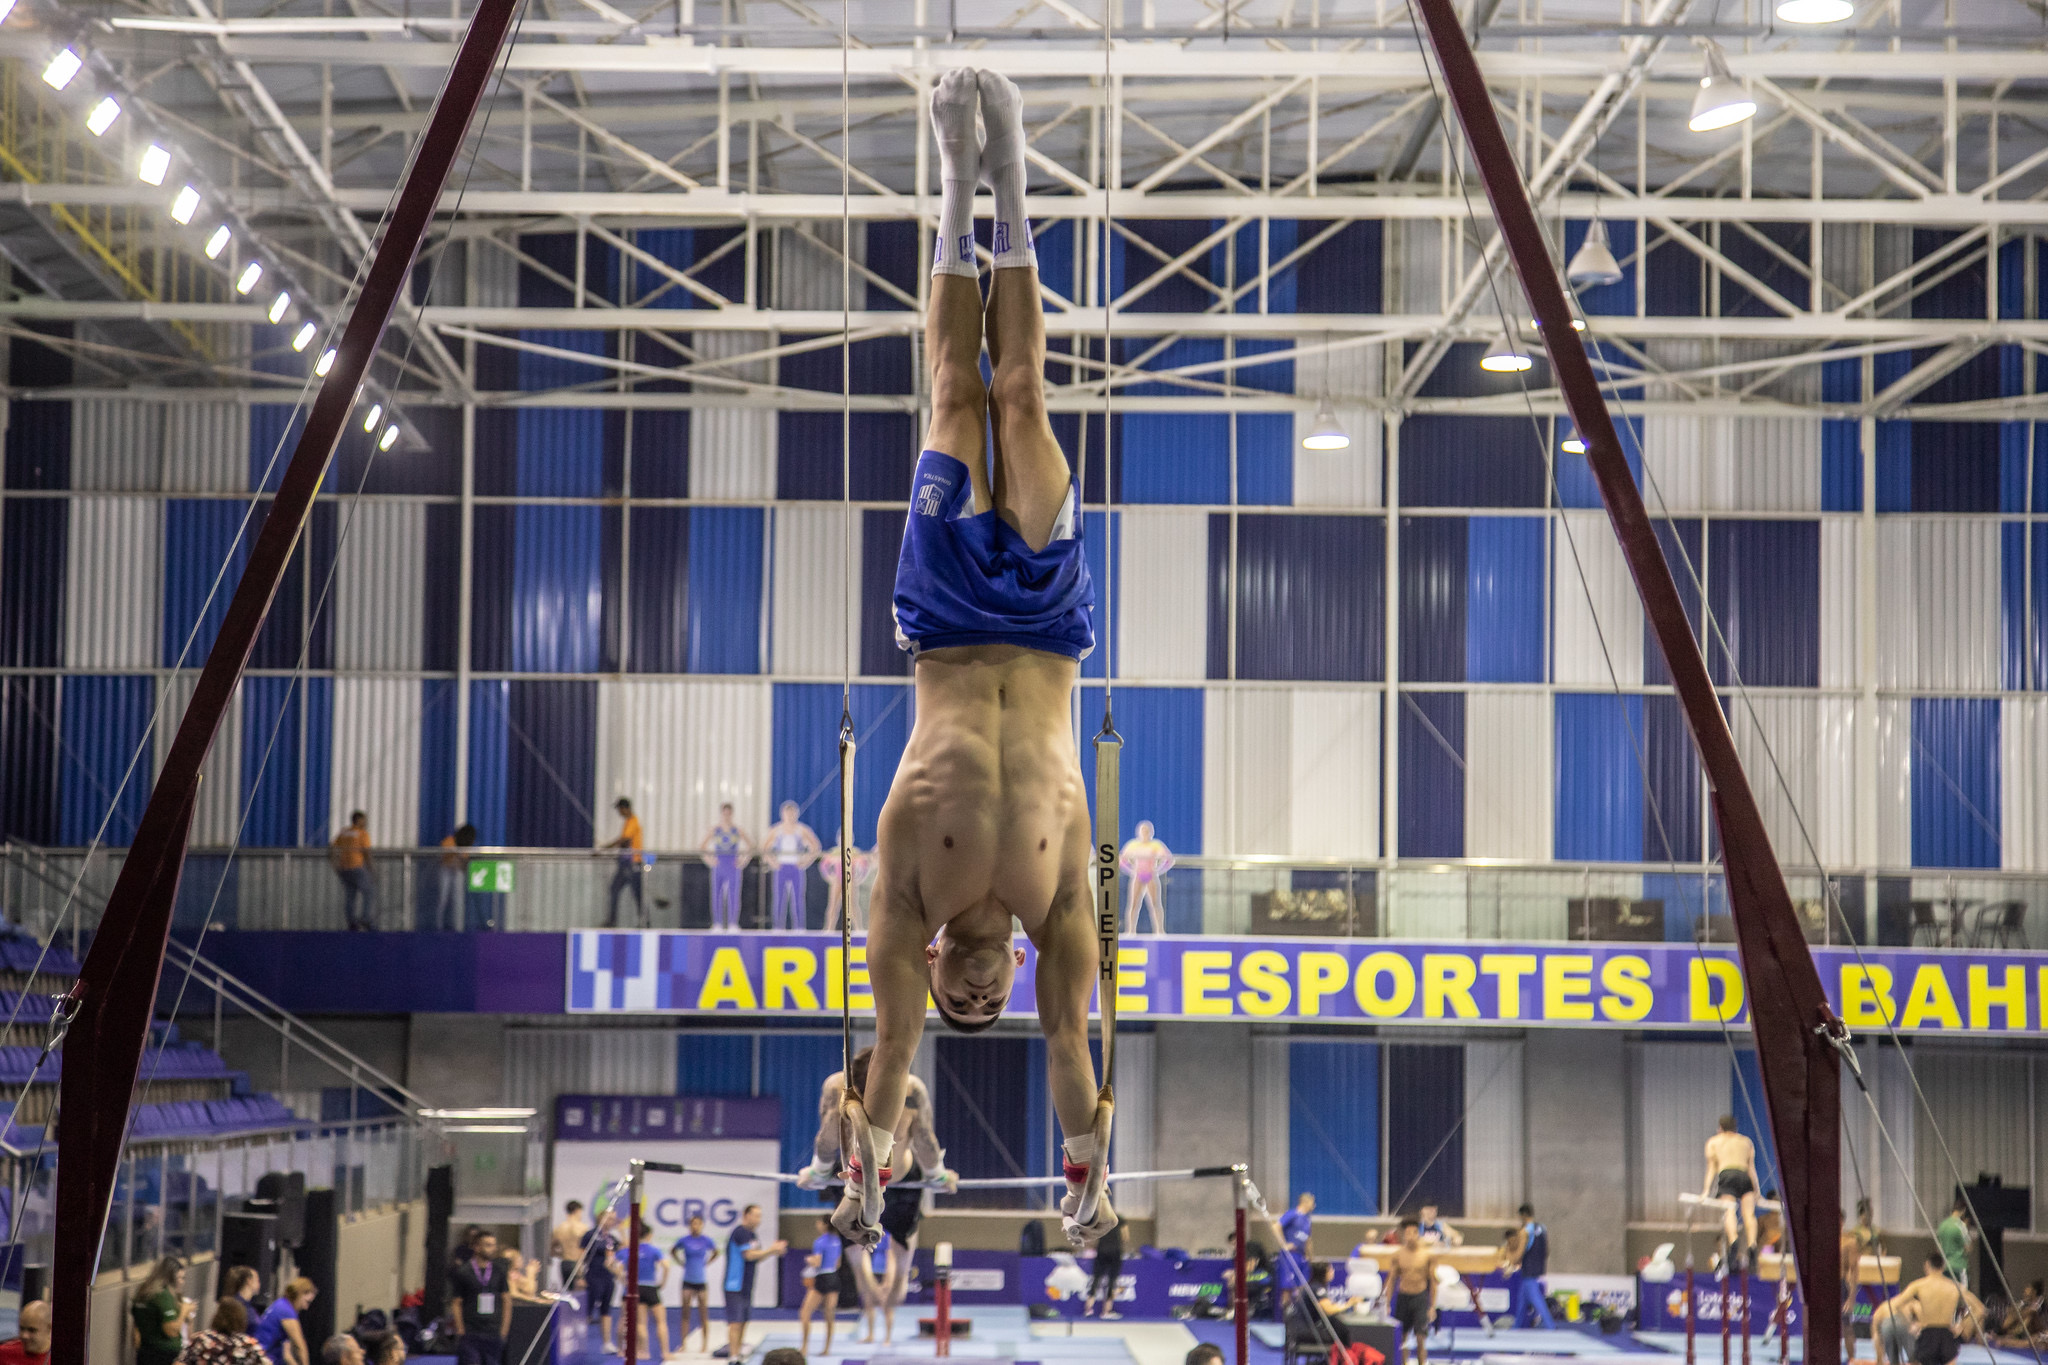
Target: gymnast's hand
{"x": 815, "y": 1176}
{"x": 947, "y": 1180}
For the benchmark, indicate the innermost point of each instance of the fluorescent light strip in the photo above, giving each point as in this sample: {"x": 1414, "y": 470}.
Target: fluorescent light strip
{"x": 62, "y": 68}
{"x": 102, "y": 116}
{"x": 185, "y": 205}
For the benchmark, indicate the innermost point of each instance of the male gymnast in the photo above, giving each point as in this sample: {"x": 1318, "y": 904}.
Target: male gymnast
{"x": 987, "y": 817}
{"x": 1731, "y": 1175}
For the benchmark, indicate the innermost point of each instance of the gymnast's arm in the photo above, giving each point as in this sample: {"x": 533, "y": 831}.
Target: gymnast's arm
{"x": 897, "y": 971}
{"x": 924, "y": 1140}
{"x": 825, "y": 1147}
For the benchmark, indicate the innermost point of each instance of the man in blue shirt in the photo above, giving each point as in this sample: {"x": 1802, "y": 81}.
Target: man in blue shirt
{"x": 1297, "y": 1226}
{"x": 821, "y": 1284}
{"x": 742, "y": 1250}
{"x": 1527, "y": 1254}
{"x": 694, "y": 1252}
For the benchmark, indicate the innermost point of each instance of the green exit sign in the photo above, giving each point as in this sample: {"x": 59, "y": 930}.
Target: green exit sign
{"x": 490, "y": 874}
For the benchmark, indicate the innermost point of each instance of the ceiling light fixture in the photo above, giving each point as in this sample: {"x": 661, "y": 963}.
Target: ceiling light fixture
{"x": 62, "y": 68}
{"x": 370, "y": 422}
{"x": 1721, "y": 101}
{"x": 304, "y": 338}
{"x": 391, "y": 439}
{"x": 251, "y": 273}
{"x": 278, "y": 306}
{"x": 1571, "y": 444}
{"x": 1504, "y": 357}
{"x": 1816, "y": 11}
{"x": 6, "y": 8}
{"x": 185, "y": 205}
{"x": 325, "y": 364}
{"x": 1593, "y": 265}
{"x": 102, "y": 116}
{"x": 1327, "y": 433}
{"x": 156, "y": 164}
{"x": 218, "y": 242}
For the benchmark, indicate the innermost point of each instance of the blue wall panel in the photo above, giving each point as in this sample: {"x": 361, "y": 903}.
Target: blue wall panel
{"x": 200, "y": 534}
{"x": 2012, "y": 466}
{"x": 1173, "y": 457}
{"x": 39, "y": 440}
{"x": 105, "y": 723}
{"x": 550, "y": 763}
{"x": 1451, "y": 460}
{"x": 35, "y": 535}
{"x": 561, "y": 452}
{"x": 1161, "y": 773}
{"x": 806, "y": 751}
{"x": 659, "y": 594}
{"x": 1841, "y": 449}
{"x": 1432, "y": 760}
{"x": 1426, "y": 1127}
{"x": 1752, "y": 1117}
{"x": 1955, "y": 466}
{"x": 2012, "y": 605}
{"x": 28, "y": 758}
{"x": 661, "y": 454}
{"x": 489, "y": 737}
{"x": 881, "y": 542}
{"x": 793, "y": 1069}
{"x": 1434, "y": 570}
{"x": 1218, "y": 660}
{"x": 719, "y": 1064}
{"x": 1342, "y": 275}
{"x": 1955, "y": 782}
{"x": 437, "y": 761}
{"x": 273, "y": 434}
{"x": 1265, "y": 458}
{"x": 1599, "y": 813}
{"x": 1683, "y": 541}
{"x": 1763, "y": 581}
{"x": 1609, "y": 300}
{"x": 1333, "y": 1125}
{"x": 557, "y": 607}
{"x": 1311, "y": 605}
{"x": 1674, "y": 800}
{"x": 1102, "y": 545}
{"x": 1274, "y": 376}
{"x": 1575, "y": 484}
{"x": 725, "y": 589}
{"x": 492, "y": 538}
{"x": 1504, "y": 599}
{"x": 287, "y": 738}
{"x": 1687, "y": 896}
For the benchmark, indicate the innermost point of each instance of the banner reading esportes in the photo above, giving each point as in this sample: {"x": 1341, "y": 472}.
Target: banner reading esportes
{"x": 1365, "y": 981}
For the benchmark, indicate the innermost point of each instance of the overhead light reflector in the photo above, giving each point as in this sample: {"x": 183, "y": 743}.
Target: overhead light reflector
{"x": 1505, "y": 357}
{"x": 102, "y": 116}
{"x": 278, "y": 306}
{"x": 1593, "y": 265}
{"x": 156, "y": 164}
{"x": 218, "y": 242}
{"x": 185, "y": 205}
{"x": 62, "y": 68}
{"x": 1327, "y": 433}
{"x": 251, "y": 273}
{"x": 1816, "y": 11}
{"x": 304, "y": 338}
{"x": 1721, "y": 101}
{"x": 1571, "y": 444}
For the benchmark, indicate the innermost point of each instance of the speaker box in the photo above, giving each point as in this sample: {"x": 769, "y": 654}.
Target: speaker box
{"x": 440, "y": 1208}
{"x": 317, "y": 1256}
{"x": 250, "y": 1239}
{"x": 284, "y": 1194}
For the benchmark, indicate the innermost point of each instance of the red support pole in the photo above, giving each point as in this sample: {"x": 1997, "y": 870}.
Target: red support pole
{"x": 942, "y": 1302}
{"x": 1745, "y": 1315}
{"x": 1724, "y": 1314}
{"x": 115, "y": 994}
{"x": 1691, "y": 1311}
{"x": 632, "y": 1295}
{"x": 1240, "y": 1293}
{"x": 1784, "y": 1348}
{"x": 1794, "y": 1025}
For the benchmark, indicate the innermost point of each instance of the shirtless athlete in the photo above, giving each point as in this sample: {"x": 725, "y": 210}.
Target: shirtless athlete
{"x": 987, "y": 818}
{"x": 902, "y": 1210}
{"x": 1413, "y": 1285}
{"x": 1731, "y": 1174}
{"x": 1946, "y": 1313}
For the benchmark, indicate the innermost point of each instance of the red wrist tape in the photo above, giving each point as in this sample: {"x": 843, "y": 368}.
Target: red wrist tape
{"x": 1076, "y": 1175}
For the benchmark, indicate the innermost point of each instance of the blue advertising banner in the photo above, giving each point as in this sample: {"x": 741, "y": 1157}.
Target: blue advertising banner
{"x": 1364, "y": 981}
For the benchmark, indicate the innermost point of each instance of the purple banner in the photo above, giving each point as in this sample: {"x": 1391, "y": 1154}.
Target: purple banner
{"x": 678, "y": 1118}
{"x": 1660, "y": 1307}
{"x": 1366, "y": 981}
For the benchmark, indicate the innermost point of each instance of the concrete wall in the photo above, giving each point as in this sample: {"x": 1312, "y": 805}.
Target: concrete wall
{"x": 378, "y": 1254}
{"x": 456, "y": 1060}
{"x": 1202, "y": 1116}
{"x": 1577, "y": 1103}
{"x": 254, "y": 1046}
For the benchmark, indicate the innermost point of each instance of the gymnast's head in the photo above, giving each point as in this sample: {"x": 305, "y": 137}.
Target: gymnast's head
{"x": 972, "y": 975}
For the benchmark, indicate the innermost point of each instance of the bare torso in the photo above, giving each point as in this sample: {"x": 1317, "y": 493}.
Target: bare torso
{"x": 1412, "y": 1269}
{"x": 1729, "y": 1152}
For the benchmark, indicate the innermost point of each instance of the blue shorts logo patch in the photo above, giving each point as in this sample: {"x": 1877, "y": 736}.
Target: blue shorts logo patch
{"x": 931, "y": 497}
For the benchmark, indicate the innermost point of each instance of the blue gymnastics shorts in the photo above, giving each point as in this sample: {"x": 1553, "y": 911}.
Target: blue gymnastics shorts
{"x": 973, "y": 580}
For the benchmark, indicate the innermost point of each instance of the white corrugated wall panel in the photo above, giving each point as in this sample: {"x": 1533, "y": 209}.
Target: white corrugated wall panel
{"x": 1834, "y": 821}
{"x": 1894, "y": 781}
{"x": 1674, "y": 446}
{"x": 113, "y": 580}
{"x": 732, "y": 450}
{"x": 1257, "y": 744}
{"x": 1892, "y": 1096}
{"x": 1494, "y": 1128}
{"x": 1339, "y": 478}
{"x": 219, "y": 812}
{"x": 1508, "y": 802}
{"x": 1614, "y": 606}
{"x": 1272, "y": 1112}
{"x": 1417, "y": 260}
{"x": 814, "y": 596}
{"x": 808, "y": 274}
{"x": 679, "y": 750}
{"x": 117, "y": 446}
{"x": 1838, "y": 612}
{"x": 543, "y": 1063}
{"x": 633, "y": 1062}
{"x": 1764, "y": 464}
{"x": 1681, "y": 1091}
{"x": 1938, "y": 604}
{"x": 1162, "y": 625}
{"x": 1131, "y": 1145}
{"x": 1775, "y": 737}
{"x": 376, "y": 764}
{"x": 2023, "y": 771}
{"x": 206, "y": 448}
{"x": 497, "y": 275}
{"x": 1334, "y": 777}
{"x": 1979, "y": 1103}
{"x": 378, "y": 606}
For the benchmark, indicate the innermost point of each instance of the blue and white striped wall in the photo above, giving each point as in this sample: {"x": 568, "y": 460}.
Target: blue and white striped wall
{"x": 663, "y": 602}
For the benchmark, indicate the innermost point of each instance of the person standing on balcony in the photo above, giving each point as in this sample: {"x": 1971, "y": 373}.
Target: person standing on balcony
{"x": 632, "y": 869}
{"x": 448, "y": 900}
{"x": 726, "y": 850}
{"x": 1147, "y": 860}
{"x": 791, "y": 847}
{"x": 350, "y": 855}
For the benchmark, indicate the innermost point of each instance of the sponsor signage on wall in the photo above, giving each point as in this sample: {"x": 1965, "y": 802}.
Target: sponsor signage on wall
{"x": 1364, "y": 981}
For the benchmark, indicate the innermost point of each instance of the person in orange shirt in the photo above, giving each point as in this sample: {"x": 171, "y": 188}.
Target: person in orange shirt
{"x": 350, "y": 855}
{"x": 632, "y": 866}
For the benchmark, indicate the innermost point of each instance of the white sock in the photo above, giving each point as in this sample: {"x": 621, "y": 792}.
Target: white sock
{"x": 885, "y": 1145}
{"x": 954, "y": 101}
{"x": 1002, "y": 165}
{"x": 1081, "y": 1150}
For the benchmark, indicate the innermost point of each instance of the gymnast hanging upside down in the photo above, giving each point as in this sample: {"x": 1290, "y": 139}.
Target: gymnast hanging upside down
{"x": 987, "y": 818}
